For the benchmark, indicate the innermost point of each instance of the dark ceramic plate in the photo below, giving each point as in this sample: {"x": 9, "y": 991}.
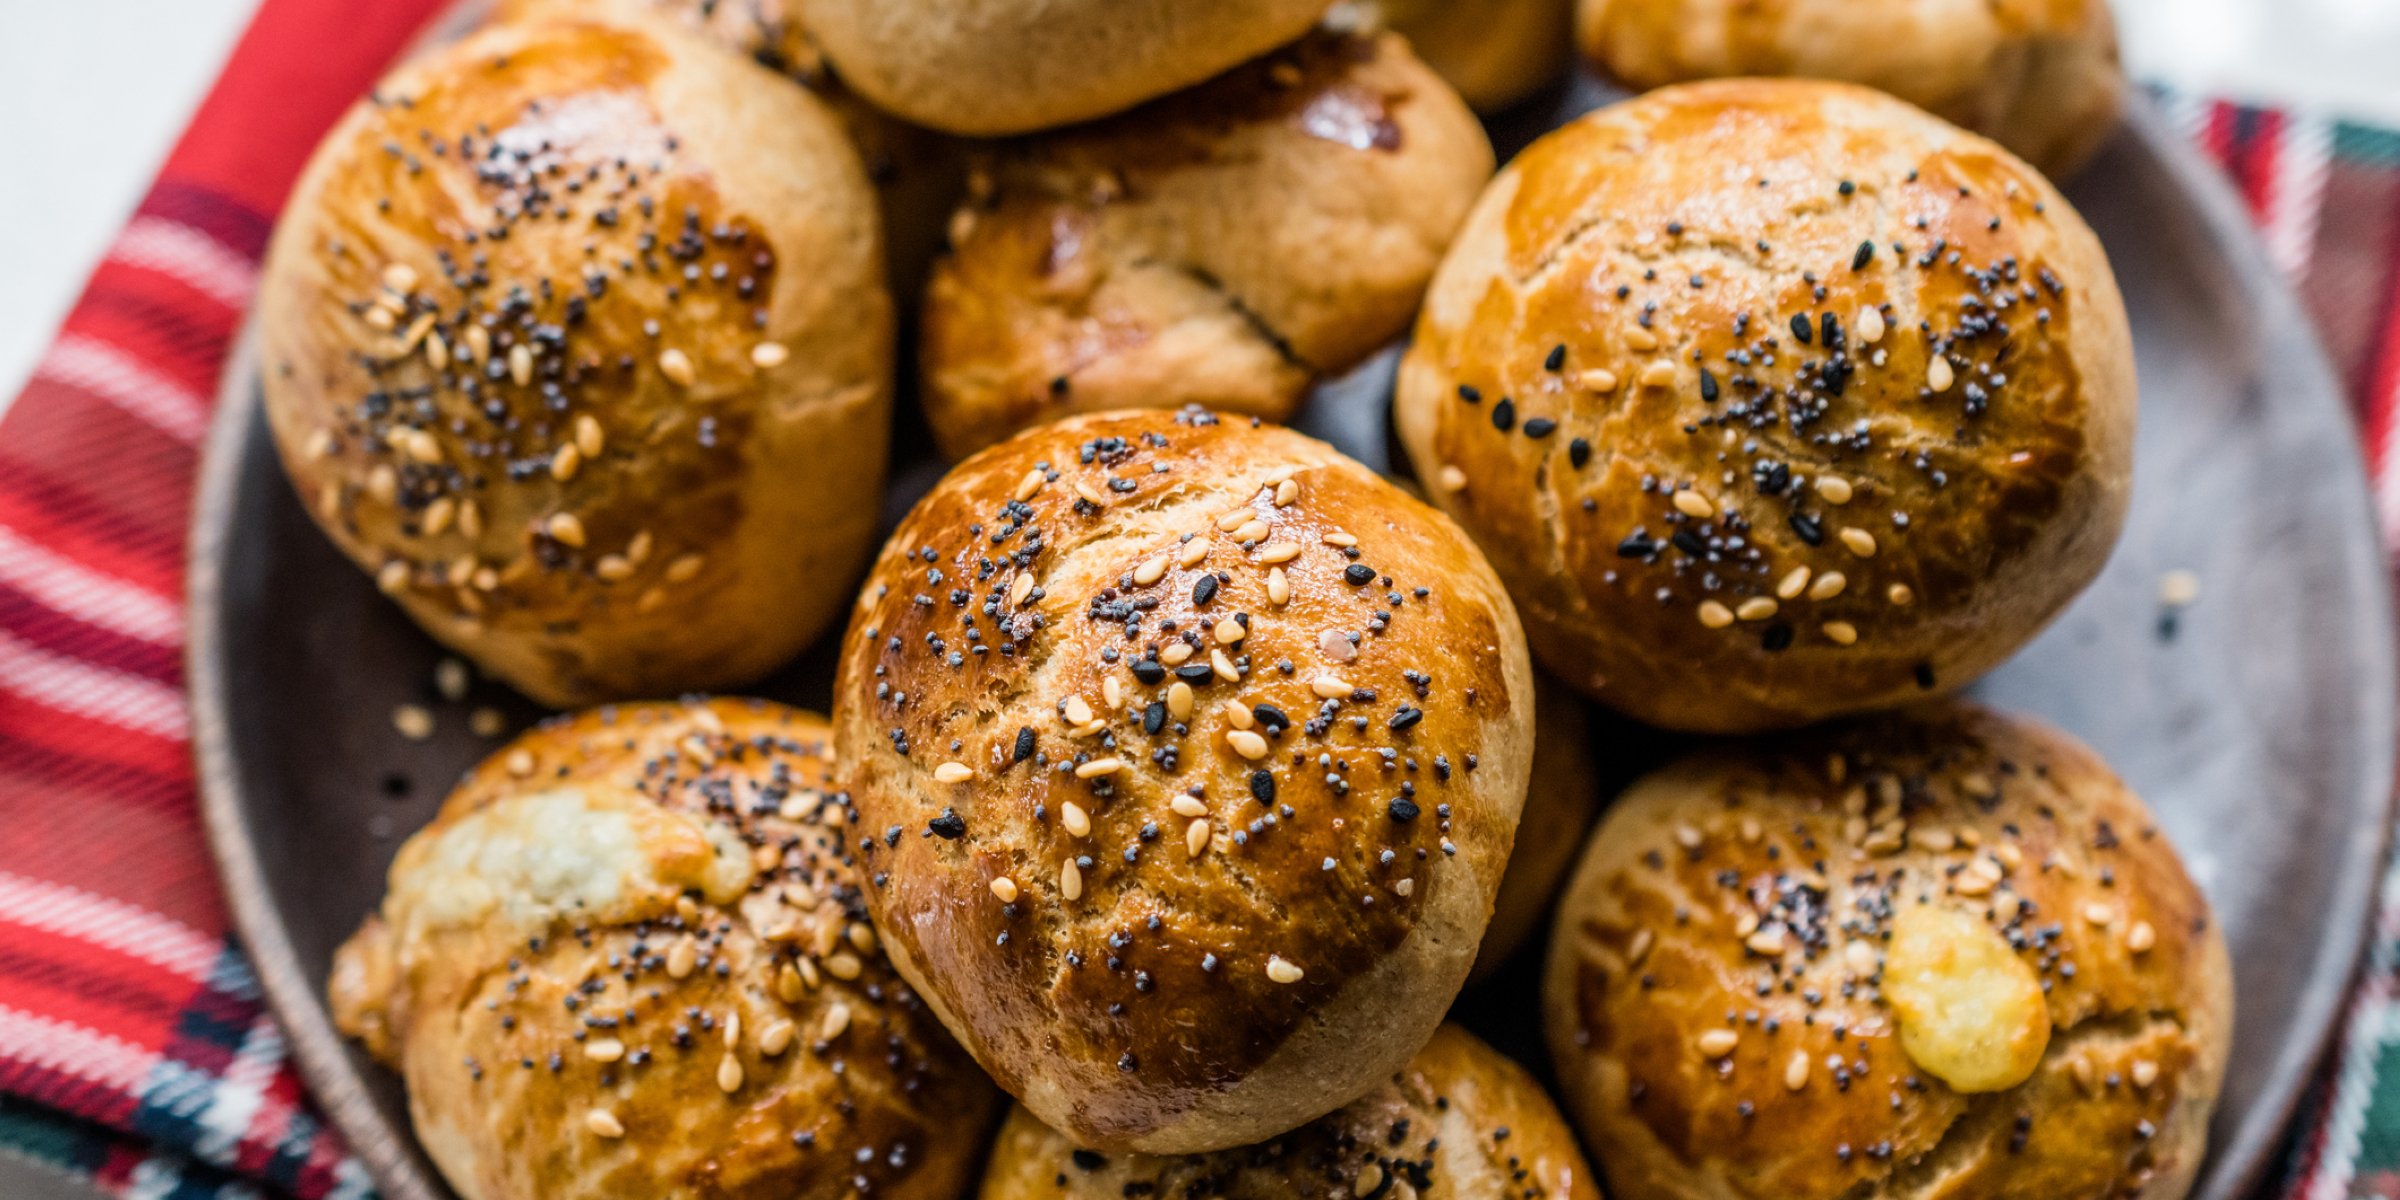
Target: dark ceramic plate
{"x": 2258, "y": 720}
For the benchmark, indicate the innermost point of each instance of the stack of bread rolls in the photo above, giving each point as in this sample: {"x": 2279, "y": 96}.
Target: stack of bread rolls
{"x": 1181, "y": 771}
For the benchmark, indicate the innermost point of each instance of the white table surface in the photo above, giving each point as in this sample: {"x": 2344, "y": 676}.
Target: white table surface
{"x": 93, "y": 92}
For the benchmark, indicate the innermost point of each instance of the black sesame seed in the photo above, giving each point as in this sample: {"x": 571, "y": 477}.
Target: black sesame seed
{"x": 1262, "y": 786}
{"x": 1154, "y": 718}
{"x": 1924, "y": 674}
{"x": 1810, "y": 529}
{"x": 1540, "y": 427}
{"x": 1708, "y": 385}
{"x": 1469, "y": 394}
{"x": 1358, "y": 574}
{"x": 1195, "y": 672}
{"x": 1579, "y": 452}
{"x": 1024, "y": 748}
{"x": 1636, "y": 545}
{"x": 1271, "y": 717}
{"x": 1778, "y": 637}
{"x": 1403, "y": 809}
{"x": 1504, "y": 414}
{"x": 1557, "y": 359}
{"x": 1865, "y": 255}
{"x": 1149, "y": 670}
{"x": 1802, "y": 329}
{"x": 1406, "y": 717}
{"x": 1089, "y": 1161}
{"x": 949, "y": 826}
{"x": 1205, "y": 590}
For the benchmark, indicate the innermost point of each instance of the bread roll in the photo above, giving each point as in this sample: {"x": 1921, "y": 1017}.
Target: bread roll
{"x": 575, "y": 336}
{"x": 1459, "y": 1120}
{"x": 1561, "y": 795}
{"x": 917, "y": 173}
{"x": 629, "y": 958}
{"x": 1774, "y": 400}
{"x": 2039, "y": 76}
{"x": 1014, "y": 66}
{"x": 1192, "y": 752}
{"x": 1224, "y": 246}
{"x": 1495, "y": 52}
{"x": 1939, "y": 953}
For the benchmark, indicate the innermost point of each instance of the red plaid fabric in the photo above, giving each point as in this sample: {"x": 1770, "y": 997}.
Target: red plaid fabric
{"x": 134, "y": 1049}
{"x": 124, "y": 1006}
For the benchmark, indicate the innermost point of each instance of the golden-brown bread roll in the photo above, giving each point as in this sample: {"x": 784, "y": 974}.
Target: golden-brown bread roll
{"x": 1014, "y": 66}
{"x": 2039, "y": 76}
{"x": 630, "y": 958}
{"x": 575, "y": 335}
{"x": 1223, "y": 246}
{"x": 1941, "y": 952}
{"x": 1773, "y": 400}
{"x": 1192, "y": 752}
{"x": 917, "y": 173}
{"x": 1495, "y": 52}
{"x": 1459, "y": 1120}
{"x": 1561, "y": 795}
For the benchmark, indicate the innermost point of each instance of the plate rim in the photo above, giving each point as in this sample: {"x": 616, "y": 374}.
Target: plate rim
{"x": 319, "y": 1051}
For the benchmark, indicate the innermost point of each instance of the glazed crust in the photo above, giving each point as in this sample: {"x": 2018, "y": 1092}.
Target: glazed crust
{"x": 461, "y": 371}
{"x": 1224, "y": 246}
{"x": 2039, "y": 76}
{"x": 1707, "y": 519}
{"x": 917, "y": 172}
{"x": 1015, "y": 702}
{"x": 615, "y": 917}
{"x": 1015, "y": 66}
{"x": 1561, "y": 797}
{"x": 1459, "y": 1120}
{"x": 1675, "y": 1000}
{"x": 1495, "y": 52}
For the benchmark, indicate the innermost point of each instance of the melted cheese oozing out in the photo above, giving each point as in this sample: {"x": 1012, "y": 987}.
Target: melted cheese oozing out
{"x": 1971, "y": 1011}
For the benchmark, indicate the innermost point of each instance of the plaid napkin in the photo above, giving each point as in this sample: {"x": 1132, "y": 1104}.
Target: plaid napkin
{"x": 134, "y": 1049}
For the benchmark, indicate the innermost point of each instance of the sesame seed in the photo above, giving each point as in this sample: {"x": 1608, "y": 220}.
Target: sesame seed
{"x": 1660, "y": 373}
{"x": 1279, "y": 552}
{"x": 564, "y": 528}
{"x": 1693, "y": 504}
{"x": 604, "y": 1123}
{"x": 1860, "y": 542}
{"x": 729, "y": 1075}
{"x": 1246, "y": 743}
{"x": 1279, "y": 587}
{"x": 2141, "y": 937}
{"x": 1195, "y": 838}
{"x": 1286, "y": 492}
{"x": 1834, "y": 488}
{"x": 1793, "y": 583}
{"x": 1239, "y": 716}
{"x": 605, "y": 1050}
{"x": 1339, "y": 539}
{"x": 1253, "y": 530}
{"x": 1599, "y": 380}
{"x": 953, "y": 772}
{"x": 1282, "y": 970}
{"x": 2178, "y": 589}
{"x": 836, "y": 1022}
{"x": 1224, "y": 666}
{"x": 520, "y": 364}
{"x": 767, "y": 356}
{"x": 1151, "y": 571}
{"x": 1070, "y": 880}
{"x": 1229, "y": 632}
{"x": 414, "y": 721}
{"x": 684, "y": 568}
{"x": 1179, "y": 700}
{"x": 1074, "y": 820}
{"x": 1020, "y": 591}
{"x": 1368, "y": 1182}
{"x": 1841, "y": 633}
{"x": 677, "y": 367}
{"x": 1715, "y": 615}
{"x": 1900, "y": 594}
{"x": 1757, "y": 608}
{"x": 1189, "y": 806}
{"x": 1795, "y": 1072}
{"x": 1938, "y": 375}
{"x": 1085, "y": 492}
{"x": 844, "y": 966}
{"x": 1453, "y": 479}
{"x": 1031, "y": 484}
{"x": 1869, "y": 325}
{"x": 400, "y": 277}
{"x": 1005, "y": 889}
{"x": 2099, "y": 914}
{"x": 1828, "y": 585}
{"x": 1717, "y": 1043}
{"x": 1097, "y": 768}
{"x": 1329, "y": 687}
{"x": 777, "y": 1037}
{"x": 1233, "y": 519}
{"x": 1640, "y": 338}
{"x": 566, "y": 462}
{"x": 520, "y": 762}
{"x": 1076, "y": 711}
